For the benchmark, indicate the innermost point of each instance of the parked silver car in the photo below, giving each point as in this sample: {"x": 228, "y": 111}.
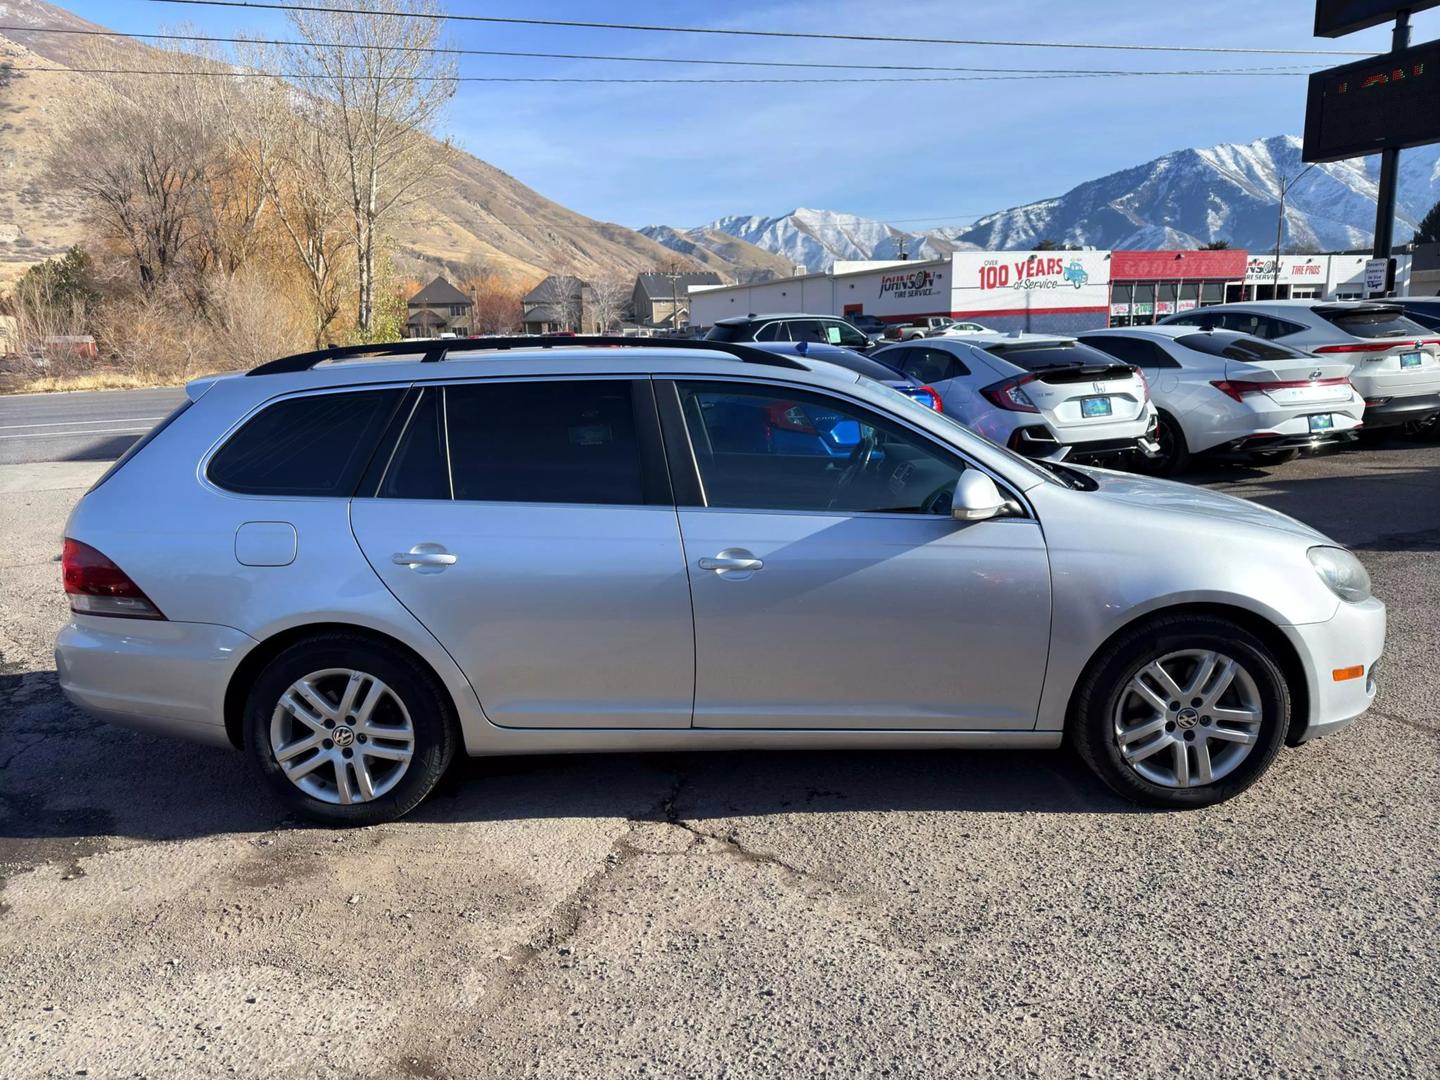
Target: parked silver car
{"x": 355, "y": 568}
{"x": 1397, "y": 361}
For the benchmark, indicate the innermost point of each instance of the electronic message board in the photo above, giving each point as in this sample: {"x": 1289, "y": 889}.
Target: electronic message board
{"x": 1388, "y": 102}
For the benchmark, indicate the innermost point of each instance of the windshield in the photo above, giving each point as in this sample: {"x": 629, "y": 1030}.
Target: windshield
{"x": 1240, "y": 347}
{"x": 906, "y": 406}
{"x": 1373, "y": 322}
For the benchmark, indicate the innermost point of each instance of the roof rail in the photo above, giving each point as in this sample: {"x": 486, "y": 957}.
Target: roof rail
{"x": 431, "y": 352}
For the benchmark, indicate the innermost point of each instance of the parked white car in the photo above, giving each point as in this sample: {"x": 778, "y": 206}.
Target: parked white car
{"x": 1397, "y": 361}
{"x": 1041, "y": 396}
{"x": 1220, "y": 390}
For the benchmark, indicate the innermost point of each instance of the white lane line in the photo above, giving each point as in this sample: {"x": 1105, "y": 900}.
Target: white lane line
{"x": 68, "y": 434}
{"x": 92, "y": 423}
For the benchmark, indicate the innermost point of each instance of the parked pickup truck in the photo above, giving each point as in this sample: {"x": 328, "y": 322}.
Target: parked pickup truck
{"x": 930, "y": 326}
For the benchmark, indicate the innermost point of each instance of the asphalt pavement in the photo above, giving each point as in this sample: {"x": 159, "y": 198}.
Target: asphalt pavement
{"x": 732, "y": 915}
{"x": 81, "y": 426}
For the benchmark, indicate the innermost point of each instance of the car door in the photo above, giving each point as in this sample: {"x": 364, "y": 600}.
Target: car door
{"x": 946, "y": 373}
{"x": 529, "y": 525}
{"x": 840, "y": 593}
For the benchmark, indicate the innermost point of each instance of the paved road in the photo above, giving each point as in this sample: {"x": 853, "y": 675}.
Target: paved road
{"x": 731, "y": 915}
{"x": 83, "y": 426}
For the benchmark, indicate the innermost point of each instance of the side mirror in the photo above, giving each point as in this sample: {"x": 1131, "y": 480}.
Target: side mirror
{"x": 976, "y": 497}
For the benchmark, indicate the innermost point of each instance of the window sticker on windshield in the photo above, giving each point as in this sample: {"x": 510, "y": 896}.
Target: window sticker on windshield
{"x": 832, "y": 335}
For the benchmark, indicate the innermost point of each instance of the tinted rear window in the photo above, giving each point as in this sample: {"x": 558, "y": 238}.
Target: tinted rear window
{"x": 1245, "y": 349}
{"x": 729, "y": 333}
{"x": 1373, "y": 323}
{"x": 317, "y": 445}
{"x": 571, "y": 441}
{"x": 1035, "y": 357}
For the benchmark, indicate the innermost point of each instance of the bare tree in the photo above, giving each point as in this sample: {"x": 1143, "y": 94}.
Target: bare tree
{"x": 380, "y": 94}
{"x": 609, "y": 300}
{"x": 564, "y": 294}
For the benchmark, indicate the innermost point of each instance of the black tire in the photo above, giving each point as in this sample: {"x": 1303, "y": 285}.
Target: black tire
{"x": 436, "y": 734}
{"x": 1091, "y": 727}
{"x": 1275, "y": 457}
{"x": 1174, "y": 456}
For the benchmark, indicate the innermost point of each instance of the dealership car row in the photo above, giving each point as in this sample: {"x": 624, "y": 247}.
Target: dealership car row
{"x": 1262, "y": 379}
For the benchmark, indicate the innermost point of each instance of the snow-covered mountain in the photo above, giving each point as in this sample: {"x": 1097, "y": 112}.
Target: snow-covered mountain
{"x": 1186, "y": 198}
{"x": 816, "y": 238}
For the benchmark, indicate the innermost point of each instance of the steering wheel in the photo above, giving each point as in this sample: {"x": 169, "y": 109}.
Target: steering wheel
{"x": 939, "y": 501}
{"x": 856, "y": 464}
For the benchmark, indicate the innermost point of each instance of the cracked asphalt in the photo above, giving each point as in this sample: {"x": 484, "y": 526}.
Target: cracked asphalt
{"x": 731, "y": 915}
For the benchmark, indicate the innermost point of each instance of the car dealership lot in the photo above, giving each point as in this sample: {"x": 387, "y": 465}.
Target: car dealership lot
{"x": 916, "y": 914}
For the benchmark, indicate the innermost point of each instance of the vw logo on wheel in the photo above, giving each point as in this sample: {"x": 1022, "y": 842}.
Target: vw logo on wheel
{"x": 343, "y": 736}
{"x": 1186, "y": 719}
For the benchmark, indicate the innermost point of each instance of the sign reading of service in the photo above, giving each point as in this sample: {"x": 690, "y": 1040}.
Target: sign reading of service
{"x": 1336, "y": 18}
{"x": 1390, "y": 102}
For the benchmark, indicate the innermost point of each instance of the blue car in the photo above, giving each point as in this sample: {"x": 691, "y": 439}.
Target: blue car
{"x": 801, "y": 428}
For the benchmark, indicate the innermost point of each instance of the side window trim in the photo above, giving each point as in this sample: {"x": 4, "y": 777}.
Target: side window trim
{"x": 689, "y": 487}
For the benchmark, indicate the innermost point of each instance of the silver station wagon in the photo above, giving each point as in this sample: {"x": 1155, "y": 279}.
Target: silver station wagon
{"x": 356, "y": 564}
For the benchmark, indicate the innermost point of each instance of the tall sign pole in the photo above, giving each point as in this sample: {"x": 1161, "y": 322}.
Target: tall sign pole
{"x": 1390, "y": 161}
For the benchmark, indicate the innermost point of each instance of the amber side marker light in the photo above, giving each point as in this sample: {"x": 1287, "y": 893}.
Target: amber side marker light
{"x": 1340, "y": 674}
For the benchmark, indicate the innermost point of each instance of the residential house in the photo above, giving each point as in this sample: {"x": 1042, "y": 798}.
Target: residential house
{"x": 439, "y": 308}
{"x": 662, "y": 300}
{"x": 558, "y": 305}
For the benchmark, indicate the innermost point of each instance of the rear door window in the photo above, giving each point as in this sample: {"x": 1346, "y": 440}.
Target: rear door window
{"x": 1257, "y": 325}
{"x": 1137, "y": 351}
{"x": 1244, "y": 349}
{"x": 772, "y": 332}
{"x": 547, "y": 441}
{"x": 317, "y": 445}
{"x": 1373, "y": 322}
{"x": 933, "y": 365}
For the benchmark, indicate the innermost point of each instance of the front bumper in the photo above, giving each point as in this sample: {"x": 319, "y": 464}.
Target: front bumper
{"x": 1353, "y": 637}
{"x": 164, "y": 677}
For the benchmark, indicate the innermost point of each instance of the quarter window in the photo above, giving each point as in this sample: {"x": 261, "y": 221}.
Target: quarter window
{"x": 933, "y": 365}
{"x": 316, "y": 445}
{"x": 770, "y": 449}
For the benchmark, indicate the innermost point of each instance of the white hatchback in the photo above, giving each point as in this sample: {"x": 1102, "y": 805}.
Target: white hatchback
{"x": 1041, "y": 396}
{"x": 1219, "y": 390}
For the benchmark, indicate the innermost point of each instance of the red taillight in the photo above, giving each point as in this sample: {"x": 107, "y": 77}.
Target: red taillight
{"x": 1237, "y": 389}
{"x": 1359, "y": 346}
{"x": 1009, "y": 395}
{"x": 96, "y": 586}
{"x": 1144, "y": 384}
{"x": 933, "y": 400}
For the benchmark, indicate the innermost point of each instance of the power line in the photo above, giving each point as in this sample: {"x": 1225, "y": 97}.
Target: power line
{"x": 457, "y": 51}
{"x": 784, "y": 34}
{"x": 249, "y": 74}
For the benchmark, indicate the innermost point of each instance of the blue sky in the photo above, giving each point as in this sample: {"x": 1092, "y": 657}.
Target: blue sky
{"x": 941, "y": 152}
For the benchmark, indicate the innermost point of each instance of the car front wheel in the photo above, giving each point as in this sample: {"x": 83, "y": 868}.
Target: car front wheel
{"x": 349, "y": 731}
{"x": 1182, "y": 711}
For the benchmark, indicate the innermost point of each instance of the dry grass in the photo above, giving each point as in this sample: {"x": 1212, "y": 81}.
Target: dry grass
{"x": 99, "y": 380}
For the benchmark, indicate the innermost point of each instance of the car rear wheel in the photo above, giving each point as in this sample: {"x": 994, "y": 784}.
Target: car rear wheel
{"x": 349, "y": 731}
{"x": 1182, "y": 711}
{"x": 1174, "y": 453}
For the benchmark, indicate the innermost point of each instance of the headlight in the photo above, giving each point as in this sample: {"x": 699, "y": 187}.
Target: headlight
{"x": 1342, "y": 572}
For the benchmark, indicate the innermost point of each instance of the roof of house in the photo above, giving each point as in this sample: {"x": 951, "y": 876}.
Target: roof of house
{"x": 550, "y": 289}
{"x": 424, "y": 317}
{"x": 543, "y": 313}
{"x": 439, "y": 291}
{"x": 658, "y": 286}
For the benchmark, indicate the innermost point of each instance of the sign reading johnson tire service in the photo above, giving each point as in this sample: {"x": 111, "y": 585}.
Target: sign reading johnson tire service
{"x": 1030, "y": 283}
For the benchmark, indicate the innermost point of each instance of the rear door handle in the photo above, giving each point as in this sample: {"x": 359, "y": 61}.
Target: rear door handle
{"x": 424, "y": 558}
{"x": 732, "y": 561}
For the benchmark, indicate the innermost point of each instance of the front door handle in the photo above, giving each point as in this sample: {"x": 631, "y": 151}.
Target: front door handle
{"x": 734, "y": 563}
{"x": 424, "y": 558}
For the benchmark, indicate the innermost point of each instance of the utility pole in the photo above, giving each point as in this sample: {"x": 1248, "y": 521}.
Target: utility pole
{"x": 1285, "y": 186}
{"x": 1390, "y": 162}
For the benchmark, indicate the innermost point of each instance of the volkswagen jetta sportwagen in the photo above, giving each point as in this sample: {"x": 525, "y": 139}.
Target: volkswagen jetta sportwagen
{"x": 355, "y": 564}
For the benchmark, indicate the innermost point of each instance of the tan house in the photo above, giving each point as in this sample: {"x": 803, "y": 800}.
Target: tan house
{"x": 9, "y": 335}
{"x": 662, "y": 300}
{"x": 437, "y": 309}
{"x": 560, "y": 304}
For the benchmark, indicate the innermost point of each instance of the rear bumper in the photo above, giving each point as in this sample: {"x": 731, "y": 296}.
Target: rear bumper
{"x": 164, "y": 677}
{"x": 1388, "y": 412}
{"x": 1262, "y": 443}
{"x": 1041, "y": 441}
{"x": 1353, "y": 637}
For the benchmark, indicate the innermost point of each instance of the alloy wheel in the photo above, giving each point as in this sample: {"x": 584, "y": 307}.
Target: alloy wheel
{"x": 1188, "y": 719}
{"x": 342, "y": 736}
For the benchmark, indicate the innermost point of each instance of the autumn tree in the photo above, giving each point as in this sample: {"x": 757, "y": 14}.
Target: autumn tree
{"x": 378, "y": 91}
